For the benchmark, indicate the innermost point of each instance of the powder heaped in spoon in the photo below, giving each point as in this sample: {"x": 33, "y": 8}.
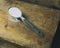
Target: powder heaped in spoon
{"x": 15, "y": 12}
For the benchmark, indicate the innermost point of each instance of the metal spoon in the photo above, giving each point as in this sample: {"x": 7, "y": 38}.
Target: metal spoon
{"x": 16, "y": 13}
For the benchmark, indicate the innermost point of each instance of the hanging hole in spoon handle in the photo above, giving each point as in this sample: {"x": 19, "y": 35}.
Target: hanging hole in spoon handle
{"x": 34, "y": 28}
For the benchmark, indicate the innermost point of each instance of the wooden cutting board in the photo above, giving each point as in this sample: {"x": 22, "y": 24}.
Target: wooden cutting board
{"x": 44, "y": 18}
{"x": 48, "y": 3}
{"x": 6, "y": 44}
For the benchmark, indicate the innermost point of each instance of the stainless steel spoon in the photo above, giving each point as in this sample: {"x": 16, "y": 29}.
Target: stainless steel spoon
{"x": 16, "y": 13}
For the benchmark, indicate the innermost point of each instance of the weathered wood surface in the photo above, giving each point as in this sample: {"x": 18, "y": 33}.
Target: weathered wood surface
{"x": 48, "y": 3}
{"x": 6, "y": 44}
{"x": 44, "y": 18}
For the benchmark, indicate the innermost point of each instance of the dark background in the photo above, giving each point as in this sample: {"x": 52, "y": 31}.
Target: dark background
{"x": 56, "y": 40}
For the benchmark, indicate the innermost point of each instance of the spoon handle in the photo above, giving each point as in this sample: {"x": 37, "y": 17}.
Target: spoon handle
{"x": 33, "y": 27}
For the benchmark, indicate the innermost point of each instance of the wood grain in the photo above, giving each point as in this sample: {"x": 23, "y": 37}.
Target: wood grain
{"x": 44, "y": 18}
{"x": 47, "y": 3}
{"x": 6, "y": 44}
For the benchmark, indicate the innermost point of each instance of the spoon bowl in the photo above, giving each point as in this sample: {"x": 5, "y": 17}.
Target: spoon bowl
{"x": 15, "y": 12}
